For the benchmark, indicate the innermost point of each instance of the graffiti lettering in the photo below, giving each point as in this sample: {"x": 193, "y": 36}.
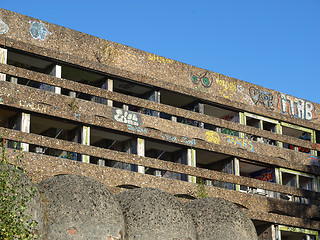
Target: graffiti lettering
{"x": 246, "y": 97}
{"x": 243, "y": 143}
{"x": 314, "y": 161}
{"x": 213, "y": 137}
{"x": 125, "y": 116}
{"x": 266, "y": 99}
{"x": 203, "y": 78}
{"x": 175, "y": 139}
{"x": 137, "y": 129}
{"x": 296, "y": 107}
{"x": 226, "y": 88}
{"x": 38, "y": 31}
{"x": 155, "y": 58}
{"x": 3, "y": 27}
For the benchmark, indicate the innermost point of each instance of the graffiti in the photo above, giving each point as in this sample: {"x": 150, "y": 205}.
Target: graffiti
{"x": 243, "y": 143}
{"x": 264, "y": 98}
{"x": 266, "y": 174}
{"x": 225, "y": 87}
{"x": 296, "y": 107}
{"x": 155, "y": 58}
{"x": 3, "y": 27}
{"x": 231, "y": 118}
{"x": 77, "y": 116}
{"x": 314, "y": 161}
{"x": 246, "y": 97}
{"x": 213, "y": 137}
{"x": 137, "y": 129}
{"x": 305, "y": 136}
{"x": 38, "y": 30}
{"x": 124, "y": 116}
{"x": 203, "y": 78}
{"x": 175, "y": 139}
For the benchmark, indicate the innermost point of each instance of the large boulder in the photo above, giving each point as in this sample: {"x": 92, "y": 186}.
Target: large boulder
{"x": 154, "y": 214}
{"x": 78, "y": 207}
{"x": 216, "y": 218}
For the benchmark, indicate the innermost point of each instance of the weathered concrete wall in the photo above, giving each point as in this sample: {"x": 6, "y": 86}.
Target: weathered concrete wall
{"x": 146, "y": 67}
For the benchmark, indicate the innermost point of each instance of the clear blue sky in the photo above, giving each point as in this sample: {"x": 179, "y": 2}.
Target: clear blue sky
{"x": 272, "y": 43}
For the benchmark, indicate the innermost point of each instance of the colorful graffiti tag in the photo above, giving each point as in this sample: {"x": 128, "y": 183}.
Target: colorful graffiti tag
{"x": 137, "y": 129}
{"x": 264, "y": 98}
{"x": 314, "y": 161}
{"x": 203, "y": 78}
{"x": 3, "y": 27}
{"x": 296, "y": 107}
{"x": 38, "y": 31}
{"x": 155, "y": 58}
{"x": 213, "y": 137}
{"x": 243, "y": 143}
{"x": 175, "y": 139}
{"x": 124, "y": 116}
{"x": 226, "y": 88}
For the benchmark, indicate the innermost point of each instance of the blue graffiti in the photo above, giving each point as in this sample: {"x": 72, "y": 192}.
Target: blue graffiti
{"x": 38, "y": 30}
{"x": 3, "y": 27}
{"x": 77, "y": 115}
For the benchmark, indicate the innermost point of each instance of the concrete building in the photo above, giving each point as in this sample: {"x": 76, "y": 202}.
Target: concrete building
{"x": 78, "y": 104}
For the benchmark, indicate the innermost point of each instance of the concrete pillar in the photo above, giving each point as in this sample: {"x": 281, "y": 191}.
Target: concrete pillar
{"x": 191, "y": 161}
{"x": 101, "y": 162}
{"x": 3, "y": 59}
{"x": 110, "y": 88}
{"x": 22, "y": 123}
{"x": 14, "y": 80}
{"x": 85, "y": 140}
{"x": 56, "y": 72}
{"x": 266, "y": 232}
{"x": 140, "y": 152}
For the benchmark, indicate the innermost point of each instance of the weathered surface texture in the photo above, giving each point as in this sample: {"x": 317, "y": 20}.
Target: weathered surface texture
{"x": 78, "y": 207}
{"x": 153, "y": 214}
{"x": 219, "y": 219}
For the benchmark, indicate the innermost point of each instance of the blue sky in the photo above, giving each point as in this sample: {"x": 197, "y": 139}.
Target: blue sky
{"x": 272, "y": 43}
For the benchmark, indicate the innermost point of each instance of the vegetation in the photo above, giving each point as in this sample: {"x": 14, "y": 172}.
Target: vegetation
{"x": 201, "y": 191}
{"x": 15, "y": 195}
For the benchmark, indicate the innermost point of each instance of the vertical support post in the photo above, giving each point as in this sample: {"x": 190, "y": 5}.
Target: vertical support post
{"x": 242, "y": 120}
{"x": 191, "y": 161}
{"x": 101, "y": 162}
{"x": 201, "y": 110}
{"x": 110, "y": 88}
{"x": 56, "y": 72}
{"x": 236, "y": 170}
{"x": 85, "y": 140}
{"x": 25, "y": 127}
{"x": 3, "y": 59}
{"x": 140, "y": 152}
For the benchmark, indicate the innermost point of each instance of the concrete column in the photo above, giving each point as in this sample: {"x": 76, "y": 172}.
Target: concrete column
{"x": 191, "y": 161}
{"x": 266, "y": 232}
{"x": 110, "y": 88}
{"x": 236, "y": 165}
{"x": 3, "y": 59}
{"x": 85, "y": 140}
{"x": 140, "y": 152}
{"x": 14, "y": 80}
{"x": 125, "y": 107}
{"x": 22, "y": 123}
{"x": 101, "y": 162}
{"x": 56, "y": 72}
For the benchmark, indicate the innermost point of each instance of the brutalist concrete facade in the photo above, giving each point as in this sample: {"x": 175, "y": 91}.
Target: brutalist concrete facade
{"x": 86, "y": 106}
